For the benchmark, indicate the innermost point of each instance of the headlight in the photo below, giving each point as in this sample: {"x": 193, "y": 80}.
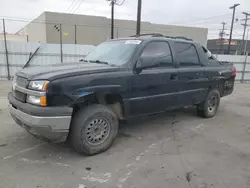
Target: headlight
{"x": 39, "y": 85}
{"x": 14, "y": 79}
{"x": 41, "y": 101}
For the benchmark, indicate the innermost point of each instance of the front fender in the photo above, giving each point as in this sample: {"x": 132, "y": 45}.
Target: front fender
{"x": 91, "y": 92}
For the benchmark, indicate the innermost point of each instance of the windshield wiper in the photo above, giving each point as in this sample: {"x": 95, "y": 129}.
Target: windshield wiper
{"x": 98, "y": 61}
{"x": 83, "y": 60}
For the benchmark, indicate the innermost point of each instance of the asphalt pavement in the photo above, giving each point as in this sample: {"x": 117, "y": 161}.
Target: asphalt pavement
{"x": 175, "y": 150}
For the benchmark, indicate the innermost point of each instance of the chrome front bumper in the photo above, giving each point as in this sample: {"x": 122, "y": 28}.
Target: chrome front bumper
{"x": 52, "y": 129}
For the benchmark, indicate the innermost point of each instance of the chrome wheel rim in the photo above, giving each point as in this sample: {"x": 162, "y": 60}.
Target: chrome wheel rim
{"x": 97, "y": 131}
{"x": 212, "y": 103}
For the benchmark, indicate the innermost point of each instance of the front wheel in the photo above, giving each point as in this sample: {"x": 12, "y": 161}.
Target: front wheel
{"x": 210, "y": 106}
{"x": 93, "y": 129}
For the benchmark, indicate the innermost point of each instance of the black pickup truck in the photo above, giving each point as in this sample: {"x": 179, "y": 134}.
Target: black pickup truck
{"x": 120, "y": 79}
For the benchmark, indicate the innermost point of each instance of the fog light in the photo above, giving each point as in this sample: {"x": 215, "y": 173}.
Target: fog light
{"x": 37, "y": 100}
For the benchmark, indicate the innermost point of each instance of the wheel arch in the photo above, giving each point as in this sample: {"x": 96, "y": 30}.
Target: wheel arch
{"x": 218, "y": 86}
{"x": 111, "y": 99}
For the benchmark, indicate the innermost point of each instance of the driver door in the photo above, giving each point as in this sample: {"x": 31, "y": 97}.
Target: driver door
{"x": 154, "y": 89}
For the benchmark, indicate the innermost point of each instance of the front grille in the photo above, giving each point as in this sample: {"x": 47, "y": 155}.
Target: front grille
{"x": 22, "y": 82}
{"x": 19, "y": 96}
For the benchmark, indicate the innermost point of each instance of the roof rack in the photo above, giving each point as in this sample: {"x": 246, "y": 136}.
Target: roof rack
{"x": 178, "y": 37}
{"x": 183, "y": 38}
{"x": 149, "y": 34}
{"x": 161, "y": 35}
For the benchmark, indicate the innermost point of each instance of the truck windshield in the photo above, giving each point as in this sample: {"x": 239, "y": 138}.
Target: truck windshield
{"x": 113, "y": 52}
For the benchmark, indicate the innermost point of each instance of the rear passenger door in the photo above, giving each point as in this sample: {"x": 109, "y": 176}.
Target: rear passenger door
{"x": 190, "y": 74}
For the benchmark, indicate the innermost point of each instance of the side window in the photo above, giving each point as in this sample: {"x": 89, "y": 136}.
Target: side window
{"x": 161, "y": 51}
{"x": 186, "y": 54}
{"x": 208, "y": 54}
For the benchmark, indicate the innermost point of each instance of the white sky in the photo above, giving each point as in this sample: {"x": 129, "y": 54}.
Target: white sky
{"x": 199, "y": 13}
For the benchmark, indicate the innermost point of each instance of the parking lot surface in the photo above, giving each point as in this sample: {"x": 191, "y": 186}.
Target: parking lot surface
{"x": 176, "y": 149}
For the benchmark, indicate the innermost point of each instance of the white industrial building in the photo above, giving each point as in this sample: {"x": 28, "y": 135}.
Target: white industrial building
{"x": 52, "y": 27}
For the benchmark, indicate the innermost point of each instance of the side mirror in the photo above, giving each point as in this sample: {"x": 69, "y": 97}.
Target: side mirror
{"x": 146, "y": 62}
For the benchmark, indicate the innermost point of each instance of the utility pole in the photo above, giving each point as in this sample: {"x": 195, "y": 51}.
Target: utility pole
{"x": 112, "y": 18}
{"x": 112, "y": 4}
{"x": 138, "y": 25}
{"x": 221, "y": 34}
{"x": 245, "y": 49}
{"x": 232, "y": 26}
{"x": 244, "y": 32}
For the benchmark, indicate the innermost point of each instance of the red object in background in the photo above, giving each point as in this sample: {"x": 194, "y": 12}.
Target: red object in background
{"x": 235, "y": 71}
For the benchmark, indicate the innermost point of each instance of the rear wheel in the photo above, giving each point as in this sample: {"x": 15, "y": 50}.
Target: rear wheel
{"x": 93, "y": 129}
{"x": 210, "y": 106}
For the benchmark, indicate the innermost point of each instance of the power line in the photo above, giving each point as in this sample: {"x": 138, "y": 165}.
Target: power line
{"x": 77, "y": 7}
{"x": 120, "y": 4}
{"x": 206, "y": 18}
{"x": 52, "y": 22}
{"x": 74, "y": 8}
{"x": 64, "y": 22}
{"x": 56, "y": 23}
{"x": 71, "y": 5}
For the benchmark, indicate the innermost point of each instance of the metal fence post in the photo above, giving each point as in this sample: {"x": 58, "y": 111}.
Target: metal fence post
{"x": 75, "y": 35}
{"x": 244, "y": 69}
{"x": 6, "y": 51}
{"x": 61, "y": 47}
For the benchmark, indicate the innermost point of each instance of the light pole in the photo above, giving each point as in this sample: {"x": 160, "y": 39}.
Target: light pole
{"x": 232, "y": 26}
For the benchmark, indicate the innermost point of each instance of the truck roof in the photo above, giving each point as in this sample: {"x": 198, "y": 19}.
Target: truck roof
{"x": 152, "y": 36}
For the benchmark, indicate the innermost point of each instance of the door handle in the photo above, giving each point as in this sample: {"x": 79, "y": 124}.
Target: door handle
{"x": 173, "y": 77}
{"x": 199, "y": 74}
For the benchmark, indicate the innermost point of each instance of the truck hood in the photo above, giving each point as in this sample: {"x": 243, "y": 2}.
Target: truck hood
{"x": 64, "y": 70}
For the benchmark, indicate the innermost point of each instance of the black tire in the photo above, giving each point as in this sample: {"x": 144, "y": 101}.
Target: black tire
{"x": 81, "y": 129}
{"x": 209, "y": 107}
